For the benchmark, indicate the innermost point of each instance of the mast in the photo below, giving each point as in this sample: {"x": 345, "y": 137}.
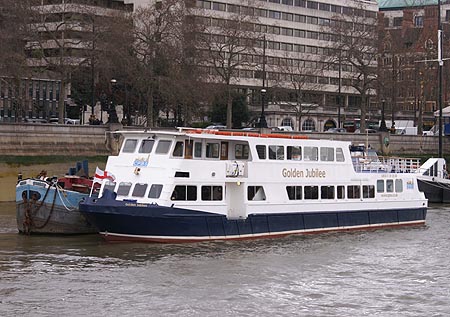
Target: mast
{"x": 441, "y": 63}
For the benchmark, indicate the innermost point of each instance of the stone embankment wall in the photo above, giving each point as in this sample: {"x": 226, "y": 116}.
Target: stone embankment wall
{"x": 78, "y": 140}
{"x": 53, "y": 139}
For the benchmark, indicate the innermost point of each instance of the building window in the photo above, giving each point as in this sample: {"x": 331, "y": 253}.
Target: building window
{"x": 287, "y": 122}
{"x": 308, "y": 125}
{"x": 398, "y": 21}
{"x": 418, "y": 21}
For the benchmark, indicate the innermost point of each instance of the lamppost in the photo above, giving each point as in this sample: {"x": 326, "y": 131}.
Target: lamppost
{"x": 383, "y": 127}
{"x": 112, "y": 109}
{"x": 262, "y": 119}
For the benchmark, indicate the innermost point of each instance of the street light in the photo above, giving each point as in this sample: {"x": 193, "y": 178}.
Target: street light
{"x": 112, "y": 109}
{"x": 262, "y": 119}
{"x": 383, "y": 127}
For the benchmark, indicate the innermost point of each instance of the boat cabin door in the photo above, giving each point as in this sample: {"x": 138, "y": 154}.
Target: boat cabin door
{"x": 235, "y": 196}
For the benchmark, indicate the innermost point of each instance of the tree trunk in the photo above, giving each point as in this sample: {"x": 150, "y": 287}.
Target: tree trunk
{"x": 229, "y": 108}
{"x": 61, "y": 101}
{"x": 362, "y": 127}
{"x": 149, "y": 107}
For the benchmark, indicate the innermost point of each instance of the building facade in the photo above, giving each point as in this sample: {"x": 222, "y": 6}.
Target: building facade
{"x": 62, "y": 41}
{"x": 408, "y": 66}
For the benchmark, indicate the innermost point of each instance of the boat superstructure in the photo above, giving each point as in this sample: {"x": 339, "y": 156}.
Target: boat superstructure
{"x": 195, "y": 185}
{"x": 434, "y": 181}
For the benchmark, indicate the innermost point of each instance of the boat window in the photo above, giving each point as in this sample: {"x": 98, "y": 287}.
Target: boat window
{"x": 327, "y": 192}
{"x": 368, "y": 191}
{"x": 390, "y": 185}
{"x": 256, "y": 193}
{"x": 211, "y": 192}
{"x": 276, "y": 152}
{"x": 380, "y": 186}
{"x": 178, "y": 150}
{"x": 155, "y": 191}
{"x": 261, "y": 150}
{"x": 340, "y": 192}
{"x": 110, "y": 186}
{"x": 311, "y": 192}
{"x": 163, "y": 146}
{"x": 212, "y": 150}
{"x": 197, "y": 149}
{"x": 34, "y": 195}
{"x": 353, "y": 192}
{"x": 398, "y": 185}
{"x": 339, "y": 155}
{"x": 241, "y": 151}
{"x": 129, "y": 146}
{"x": 310, "y": 153}
{"x": 139, "y": 190}
{"x": 183, "y": 192}
{"x": 124, "y": 188}
{"x": 294, "y": 192}
{"x": 327, "y": 154}
{"x": 294, "y": 153}
{"x": 146, "y": 146}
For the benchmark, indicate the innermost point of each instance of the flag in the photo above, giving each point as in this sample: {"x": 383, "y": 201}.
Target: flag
{"x": 102, "y": 175}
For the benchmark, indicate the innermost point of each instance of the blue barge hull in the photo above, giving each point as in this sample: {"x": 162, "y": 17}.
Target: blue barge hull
{"x": 128, "y": 221}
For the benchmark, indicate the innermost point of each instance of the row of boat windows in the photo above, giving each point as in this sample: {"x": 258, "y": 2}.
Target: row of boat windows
{"x": 213, "y": 192}
{"x": 217, "y": 150}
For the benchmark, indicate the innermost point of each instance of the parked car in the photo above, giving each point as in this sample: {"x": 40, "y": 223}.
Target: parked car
{"x": 336, "y": 130}
{"x": 216, "y": 127}
{"x": 367, "y": 131}
{"x": 66, "y": 121}
{"x": 35, "y": 120}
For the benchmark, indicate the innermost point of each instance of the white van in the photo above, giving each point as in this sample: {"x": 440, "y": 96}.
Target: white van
{"x": 406, "y": 131}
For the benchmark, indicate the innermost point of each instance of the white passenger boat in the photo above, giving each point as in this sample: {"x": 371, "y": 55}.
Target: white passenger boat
{"x": 197, "y": 185}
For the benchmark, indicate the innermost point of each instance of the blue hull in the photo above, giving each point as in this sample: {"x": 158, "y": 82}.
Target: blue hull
{"x": 128, "y": 221}
{"x": 48, "y": 210}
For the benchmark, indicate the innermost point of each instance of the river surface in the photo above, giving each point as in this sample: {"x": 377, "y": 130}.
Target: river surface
{"x": 397, "y": 272}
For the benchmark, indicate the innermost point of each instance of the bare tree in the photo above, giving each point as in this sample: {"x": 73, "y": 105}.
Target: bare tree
{"x": 300, "y": 75}
{"x": 224, "y": 43}
{"x": 355, "y": 45}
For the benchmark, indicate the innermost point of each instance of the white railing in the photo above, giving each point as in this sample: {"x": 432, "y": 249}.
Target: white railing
{"x": 383, "y": 164}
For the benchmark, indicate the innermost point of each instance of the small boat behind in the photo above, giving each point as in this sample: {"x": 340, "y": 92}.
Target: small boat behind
{"x": 433, "y": 180}
{"x": 50, "y": 205}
